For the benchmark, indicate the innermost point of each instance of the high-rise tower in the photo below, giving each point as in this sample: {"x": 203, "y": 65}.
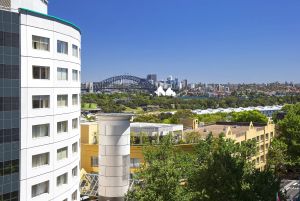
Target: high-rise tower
{"x": 39, "y": 103}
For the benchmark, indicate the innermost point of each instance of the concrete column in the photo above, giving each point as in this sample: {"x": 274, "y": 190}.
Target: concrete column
{"x": 114, "y": 156}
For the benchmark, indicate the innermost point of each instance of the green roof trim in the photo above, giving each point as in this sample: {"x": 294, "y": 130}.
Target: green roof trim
{"x": 51, "y": 17}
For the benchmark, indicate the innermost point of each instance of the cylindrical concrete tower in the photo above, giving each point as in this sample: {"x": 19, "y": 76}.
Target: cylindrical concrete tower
{"x": 114, "y": 156}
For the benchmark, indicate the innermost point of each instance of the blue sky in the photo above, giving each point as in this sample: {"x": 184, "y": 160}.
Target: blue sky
{"x": 201, "y": 40}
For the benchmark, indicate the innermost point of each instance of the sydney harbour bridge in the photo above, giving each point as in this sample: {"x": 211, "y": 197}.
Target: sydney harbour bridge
{"x": 120, "y": 83}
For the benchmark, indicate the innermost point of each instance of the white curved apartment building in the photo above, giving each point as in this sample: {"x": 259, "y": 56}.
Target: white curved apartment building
{"x": 49, "y": 81}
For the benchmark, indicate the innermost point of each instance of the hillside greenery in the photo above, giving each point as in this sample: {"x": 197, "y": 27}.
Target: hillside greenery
{"x": 120, "y": 102}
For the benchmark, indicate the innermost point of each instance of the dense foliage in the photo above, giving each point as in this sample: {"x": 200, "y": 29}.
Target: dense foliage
{"x": 218, "y": 169}
{"x": 245, "y": 116}
{"x": 285, "y": 151}
{"x": 121, "y": 101}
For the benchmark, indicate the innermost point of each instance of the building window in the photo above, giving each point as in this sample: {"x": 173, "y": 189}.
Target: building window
{"x": 40, "y": 102}
{"x": 94, "y": 161}
{"x": 62, "y": 74}
{"x": 62, "y": 100}
{"x": 74, "y": 196}
{"x": 75, "y": 99}
{"x": 75, "y": 148}
{"x": 40, "y": 43}
{"x": 40, "y": 160}
{"x": 75, "y": 75}
{"x": 75, "y": 123}
{"x": 39, "y": 131}
{"x": 62, "y": 153}
{"x": 62, "y": 127}
{"x": 62, "y": 179}
{"x": 41, "y": 72}
{"x": 261, "y": 148}
{"x": 62, "y": 47}
{"x": 75, "y": 172}
{"x": 135, "y": 162}
{"x": 40, "y": 189}
{"x": 75, "y": 50}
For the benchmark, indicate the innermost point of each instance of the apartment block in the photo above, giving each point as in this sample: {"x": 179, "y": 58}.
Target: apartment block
{"x": 40, "y": 103}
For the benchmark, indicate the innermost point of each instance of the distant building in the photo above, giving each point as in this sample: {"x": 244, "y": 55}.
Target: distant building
{"x": 152, "y": 77}
{"x": 156, "y": 129}
{"x": 266, "y": 110}
{"x": 239, "y": 132}
{"x": 190, "y": 123}
{"x": 184, "y": 84}
{"x": 87, "y": 87}
{"x": 161, "y": 92}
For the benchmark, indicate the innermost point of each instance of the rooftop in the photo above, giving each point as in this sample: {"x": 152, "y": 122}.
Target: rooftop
{"x": 222, "y": 127}
{"x": 240, "y": 109}
{"x": 154, "y": 125}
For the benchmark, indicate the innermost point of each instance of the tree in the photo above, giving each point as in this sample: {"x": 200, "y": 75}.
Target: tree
{"x": 277, "y": 156}
{"x": 161, "y": 174}
{"x": 218, "y": 170}
{"x": 248, "y": 116}
{"x": 223, "y": 172}
{"x": 289, "y": 132}
{"x": 192, "y": 137}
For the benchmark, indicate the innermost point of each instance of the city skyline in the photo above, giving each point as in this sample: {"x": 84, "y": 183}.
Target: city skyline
{"x": 230, "y": 41}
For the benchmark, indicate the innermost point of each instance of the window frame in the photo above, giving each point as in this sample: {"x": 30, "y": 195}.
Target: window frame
{"x": 46, "y": 183}
{"x": 47, "y": 154}
{"x": 59, "y": 127}
{"x": 59, "y": 151}
{"x": 75, "y": 48}
{"x": 37, "y": 41}
{"x": 76, "y": 72}
{"x": 60, "y": 99}
{"x": 60, "y": 71}
{"x": 41, "y": 103}
{"x": 47, "y": 72}
{"x": 63, "y": 179}
{"x": 62, "y": 47}
{"x": 39, "y": 126}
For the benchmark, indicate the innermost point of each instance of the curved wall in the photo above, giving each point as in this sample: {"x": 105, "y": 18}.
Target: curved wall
{"x": 42, "y": 26}
{"x": 114, "y": 156}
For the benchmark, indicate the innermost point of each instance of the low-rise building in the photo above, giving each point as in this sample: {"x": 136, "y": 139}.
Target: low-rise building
{"x": 262, "y": 133}
{"x": 190, "y": 123}
{"x": 239, "y": 132}
{"x": 152, "y": 131}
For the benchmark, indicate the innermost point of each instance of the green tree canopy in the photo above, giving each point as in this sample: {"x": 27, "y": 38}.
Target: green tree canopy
{"x": 219, "y": 169}
{"x": 248, "y": 116}
{"x": 161, "y": 174}
{"x": 289, "y": 131}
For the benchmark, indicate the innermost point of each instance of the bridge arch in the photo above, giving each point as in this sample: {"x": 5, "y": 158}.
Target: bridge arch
{"x": 124, "y": 82}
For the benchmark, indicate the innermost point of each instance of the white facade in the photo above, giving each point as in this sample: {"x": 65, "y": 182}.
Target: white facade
{"x": 36, "y": 5}
{"x": 58, "y": 188}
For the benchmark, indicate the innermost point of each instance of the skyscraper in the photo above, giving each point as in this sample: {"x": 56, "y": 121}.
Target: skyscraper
{"x": 152, "y": 77}
{"x": 39, "y": 100}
